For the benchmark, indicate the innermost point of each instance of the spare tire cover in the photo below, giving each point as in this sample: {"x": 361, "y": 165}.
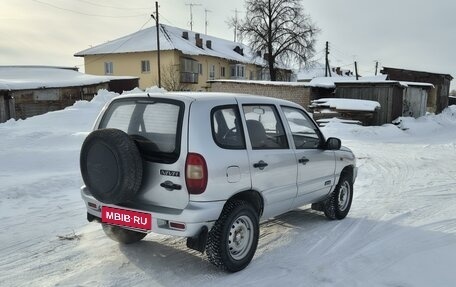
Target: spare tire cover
{"x": 111, "y": 166}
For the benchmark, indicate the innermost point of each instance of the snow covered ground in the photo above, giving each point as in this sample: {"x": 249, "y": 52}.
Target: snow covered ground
{"x": 401, "y": 230}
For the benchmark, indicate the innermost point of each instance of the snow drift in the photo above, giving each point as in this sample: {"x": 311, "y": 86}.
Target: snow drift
{"x": 401, "y": 230}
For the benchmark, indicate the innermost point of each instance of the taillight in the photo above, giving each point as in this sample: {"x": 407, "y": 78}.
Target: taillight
{"x": 195, "y": 173}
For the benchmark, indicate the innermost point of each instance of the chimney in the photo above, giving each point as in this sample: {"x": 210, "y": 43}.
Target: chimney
{"x": 239, "y": 50}
{"x": 185, "y": 35}
{"x": 338, "y": 71}
{"x": 199, "y": 42}
{"x": 209, "y": 44}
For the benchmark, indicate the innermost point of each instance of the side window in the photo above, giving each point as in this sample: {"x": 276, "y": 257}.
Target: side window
{"x": 227, "y": 128}
{"x": 265, "y": 128}
{"x": 305, "y": 133}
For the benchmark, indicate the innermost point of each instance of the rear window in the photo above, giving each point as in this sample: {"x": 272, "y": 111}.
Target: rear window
{"x": 154, "y": 124}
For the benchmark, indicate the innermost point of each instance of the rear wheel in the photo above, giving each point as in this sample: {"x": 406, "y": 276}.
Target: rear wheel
{"x": 233, "y": 240}
{"x": 339, "y": 202}
{"x": 122, "y": 235}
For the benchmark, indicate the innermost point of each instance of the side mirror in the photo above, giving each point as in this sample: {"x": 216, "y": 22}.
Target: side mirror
{"x": 333, "y": 144}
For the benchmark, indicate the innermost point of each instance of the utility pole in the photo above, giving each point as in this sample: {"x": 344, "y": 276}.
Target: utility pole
{"x": 205, "y": 20}
{"x": 191, "y": 13}
{"x": 158, "y": 41}
{"x": 356, "y": 70}
{"x": 327, "y": 67}
{"x": 376, "y": 67}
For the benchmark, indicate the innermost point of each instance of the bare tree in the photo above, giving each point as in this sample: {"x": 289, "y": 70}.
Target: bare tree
{"x": 281, "y": 29}
{"x": 171, "y": 79}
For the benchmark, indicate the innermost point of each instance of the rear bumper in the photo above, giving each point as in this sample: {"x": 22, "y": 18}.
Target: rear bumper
{"x": 195, "y": 216}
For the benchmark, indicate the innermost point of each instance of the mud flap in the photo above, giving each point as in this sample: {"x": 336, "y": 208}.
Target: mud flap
{"x": 198, "y": 242}
{"x": 317, "y": 206}
{"x": 91, "y": 218}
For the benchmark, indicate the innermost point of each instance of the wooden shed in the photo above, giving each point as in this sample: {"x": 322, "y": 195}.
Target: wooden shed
{"x": 27, "y": 91}
{"x": 6, "y": 106}
{"x": 388, "y": 95}
{"x": 451, "y": 100}
{"x": 438, "y": 100}
{"x": 396, "y": 98}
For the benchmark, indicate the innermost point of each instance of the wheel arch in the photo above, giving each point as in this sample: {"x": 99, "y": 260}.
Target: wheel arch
{"x": 251, "y": 196}
{"x": 349, "y": 172}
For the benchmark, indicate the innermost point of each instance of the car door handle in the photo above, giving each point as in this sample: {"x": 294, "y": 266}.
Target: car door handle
{"x": 261, "y": 165}
{"x": 303, "y": 160}
{"x": 169, "y": 185}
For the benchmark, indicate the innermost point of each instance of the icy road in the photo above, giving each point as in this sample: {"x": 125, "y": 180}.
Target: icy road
{"x": 401, "y": 230}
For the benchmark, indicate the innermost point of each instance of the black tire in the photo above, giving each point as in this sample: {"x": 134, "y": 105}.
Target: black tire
{"x": 111, "y": 166}
{"x": 338, "y": 204}
{"x": 237, "y": 226}
{"x": 122, "y": 235}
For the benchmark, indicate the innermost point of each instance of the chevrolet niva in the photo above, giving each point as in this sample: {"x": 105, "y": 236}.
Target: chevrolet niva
{"x": 209, "y": 167}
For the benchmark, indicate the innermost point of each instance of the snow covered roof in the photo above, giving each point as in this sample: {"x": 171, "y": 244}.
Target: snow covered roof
{"x": 416, "y": 84}
{"x": 331, "y": 82}
{"x": 171, "y": 38}
{"x": 36, "y": 77}
{"x": 319, "y": 70}
{"x": 387, "y": 69}
{"x": 346, "y": 104}
{"x": 272, "y": 83}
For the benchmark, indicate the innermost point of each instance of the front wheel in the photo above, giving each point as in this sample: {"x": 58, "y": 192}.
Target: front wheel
{"x": 233, "y": 239}
{"x": 122, "y": 235}
{"x": 338, "y": 204}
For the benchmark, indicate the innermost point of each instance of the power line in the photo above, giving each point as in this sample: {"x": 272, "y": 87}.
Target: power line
{"x": 319, "y": 52}
{"x": 115, "y": 7}
{"x": 166, "y": 19}
{"x": 83, "y": 13}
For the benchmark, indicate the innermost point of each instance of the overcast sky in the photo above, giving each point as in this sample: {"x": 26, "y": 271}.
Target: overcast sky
{"x": 408, "y": 34}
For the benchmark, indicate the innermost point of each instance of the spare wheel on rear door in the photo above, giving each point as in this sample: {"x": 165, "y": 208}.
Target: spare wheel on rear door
{"x": 111, "y": 166}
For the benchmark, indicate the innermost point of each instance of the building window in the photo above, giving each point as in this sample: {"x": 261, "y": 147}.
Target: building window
{"x": 189, "y": 70}
{"x": 222, "y": 72}
{"x": 109, "y": 68}
{"x": 145, "y": 66}
{"x": 212, "y": 72}
{"x": 237, "y": 71}
{"x": 200, "y": 68}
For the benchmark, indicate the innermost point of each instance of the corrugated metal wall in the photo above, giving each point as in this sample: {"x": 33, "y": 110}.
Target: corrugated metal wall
{"x": 415, "y": 102}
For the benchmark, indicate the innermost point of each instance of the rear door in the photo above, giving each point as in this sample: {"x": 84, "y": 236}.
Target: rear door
{"x": 316, "y": 166}
{"x": 272, "y": 162}
{"x": 157, "y": 127}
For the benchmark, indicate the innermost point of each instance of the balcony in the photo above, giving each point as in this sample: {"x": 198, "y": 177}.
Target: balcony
{"x": 189, "y": 78}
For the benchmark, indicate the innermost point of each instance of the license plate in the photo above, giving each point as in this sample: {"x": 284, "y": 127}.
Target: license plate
{"x": 127, "y": 218}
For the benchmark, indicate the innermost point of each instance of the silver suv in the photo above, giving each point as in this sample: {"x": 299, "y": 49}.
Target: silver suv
{"x": 209, "y": 167}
